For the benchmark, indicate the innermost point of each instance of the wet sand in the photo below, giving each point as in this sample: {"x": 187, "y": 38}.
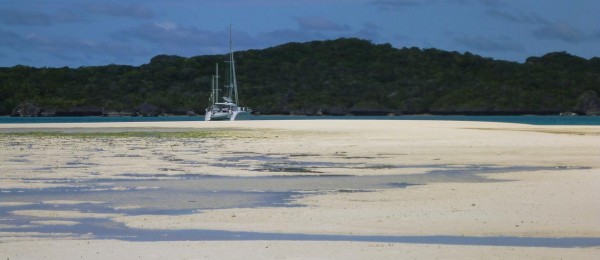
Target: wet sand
{"x": 470, "y": 179}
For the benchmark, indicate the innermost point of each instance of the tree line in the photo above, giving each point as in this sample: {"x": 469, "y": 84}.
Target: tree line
{"x": 335, "y": 77}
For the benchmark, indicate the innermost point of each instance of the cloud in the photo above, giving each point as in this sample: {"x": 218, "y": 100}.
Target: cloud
{"x": 20, "y": 17}
{"x": 136, "y": 11}
{"x": 317, "y": 23}
{"x": 560, "y": 31}
{"x": 397, "y": 5}
{"x": 387, "y": 5}
{"x": 167, "y": 25}
{"x": 287, "y": 35}
{"x": 479, "y": 43}
{"x": 516, "y": 18}
{"x": 400, "y": 37}
{"x": 369, "y": 31}
{"x": 171, "y": 35}
{"x": 168, "y": 37}
{"x": 79, "y": 46}
{"x": 171, "y": 38}
{"x": 36, "y": 18}
{"x": 73, "y": 14}
{"x": 68, "y": 50}
{"x": 492, "y": 3}
{"x": 546, "y": 30}
{"x": 310, "y": 28}
{"x": 10, "y": 40}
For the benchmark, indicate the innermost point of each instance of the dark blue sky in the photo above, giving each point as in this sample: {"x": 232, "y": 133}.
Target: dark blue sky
{"x": 82, "y": 33}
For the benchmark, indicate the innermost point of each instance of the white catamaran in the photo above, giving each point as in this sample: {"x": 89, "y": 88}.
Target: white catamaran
{"x": 228, "y": 109}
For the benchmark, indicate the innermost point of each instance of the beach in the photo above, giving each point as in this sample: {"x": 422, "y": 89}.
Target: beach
{"x": 372, "y": 188}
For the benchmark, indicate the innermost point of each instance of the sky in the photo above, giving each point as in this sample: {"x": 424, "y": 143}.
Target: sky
{"x": 74, "y": 33}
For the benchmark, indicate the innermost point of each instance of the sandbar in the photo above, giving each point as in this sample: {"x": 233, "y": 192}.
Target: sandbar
{"x": 551, "y": 191}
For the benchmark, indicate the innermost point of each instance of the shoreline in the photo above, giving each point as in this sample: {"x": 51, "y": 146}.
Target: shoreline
{"x": 524, "y": 119}
{"x": 390, "y": 113}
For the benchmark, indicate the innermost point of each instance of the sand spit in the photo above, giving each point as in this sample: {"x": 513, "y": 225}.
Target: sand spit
{"x": 549, "y": 189}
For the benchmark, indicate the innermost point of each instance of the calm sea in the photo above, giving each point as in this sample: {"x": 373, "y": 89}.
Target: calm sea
{"x": 533, "y": 120}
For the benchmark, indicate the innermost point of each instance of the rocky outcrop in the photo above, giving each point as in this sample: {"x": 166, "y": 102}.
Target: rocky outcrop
{"x": 27, "y": 109}
{"x": 146, "y": 109}
{"x": 588, "y": 103}
{"x": 81, "y": 111}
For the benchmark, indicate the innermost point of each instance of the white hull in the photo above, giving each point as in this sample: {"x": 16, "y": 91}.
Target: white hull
{"x": 242, "y": 115}
{"x": 231, "y": 116}
{"x": 217, "y": 116}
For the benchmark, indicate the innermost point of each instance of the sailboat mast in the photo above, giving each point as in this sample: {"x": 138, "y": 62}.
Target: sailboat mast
{"x": 212, "y": 90}
{"x": 233, "y": 79}
{"x": 216, "y": 83}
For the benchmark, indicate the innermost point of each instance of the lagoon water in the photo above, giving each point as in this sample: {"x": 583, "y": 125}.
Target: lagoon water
{"x": 191, "y": 194}
{"x": 532, "y": 120}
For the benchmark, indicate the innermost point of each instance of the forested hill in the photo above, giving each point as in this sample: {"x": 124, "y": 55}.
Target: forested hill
{"x": 344, "y": 76}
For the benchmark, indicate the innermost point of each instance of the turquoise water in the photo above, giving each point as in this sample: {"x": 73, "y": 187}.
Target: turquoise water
{"x": 533, "y": 120}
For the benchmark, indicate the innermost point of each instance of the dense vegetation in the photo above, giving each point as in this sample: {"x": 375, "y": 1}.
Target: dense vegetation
{"x": 333, "y": 77}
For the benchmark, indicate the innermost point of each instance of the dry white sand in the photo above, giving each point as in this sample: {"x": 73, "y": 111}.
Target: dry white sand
{"x": 103, "y": 249}
{"x": 548, "y": 203}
